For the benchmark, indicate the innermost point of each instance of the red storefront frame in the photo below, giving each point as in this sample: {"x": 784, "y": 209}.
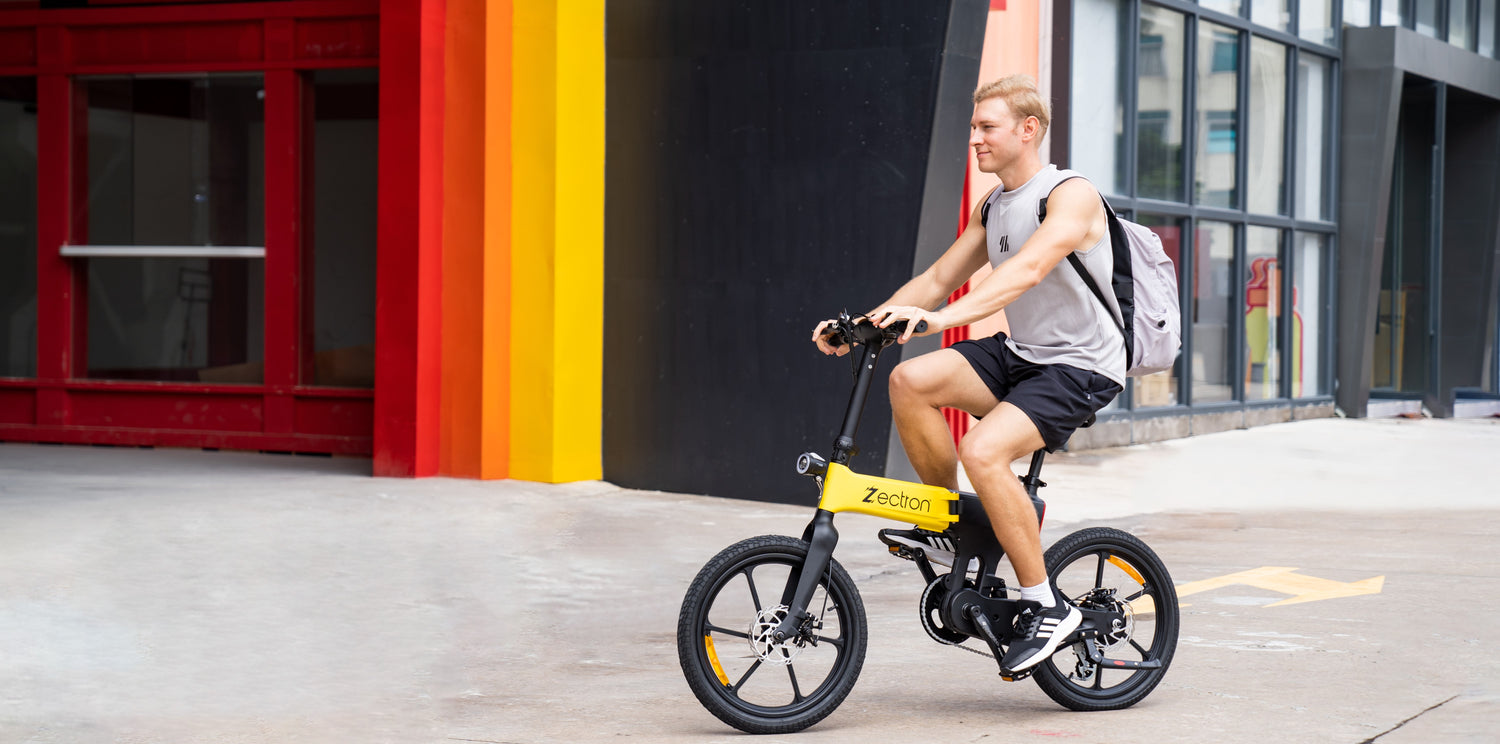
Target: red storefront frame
{"x": 278, "y": 40}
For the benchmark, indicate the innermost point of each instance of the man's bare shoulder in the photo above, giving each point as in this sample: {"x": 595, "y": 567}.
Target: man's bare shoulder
{"x": 1074, "y": 191}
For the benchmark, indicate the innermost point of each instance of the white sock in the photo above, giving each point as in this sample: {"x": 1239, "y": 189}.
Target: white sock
{"x": 1041, "y": 594}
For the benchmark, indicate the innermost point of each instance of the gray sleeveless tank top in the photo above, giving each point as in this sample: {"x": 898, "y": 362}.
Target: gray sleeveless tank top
{"x": 1059, "y": 321}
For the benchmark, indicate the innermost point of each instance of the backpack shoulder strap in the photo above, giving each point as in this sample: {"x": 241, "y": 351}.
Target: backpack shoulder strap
{"x": 1041, "y": 204}
{"x": 1111, "y": 225}
{"x": 984, "y": 211}
{"x": 1093, "y": 287}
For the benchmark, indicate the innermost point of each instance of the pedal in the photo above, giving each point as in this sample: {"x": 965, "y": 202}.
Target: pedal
{"x": 902, "y": 551}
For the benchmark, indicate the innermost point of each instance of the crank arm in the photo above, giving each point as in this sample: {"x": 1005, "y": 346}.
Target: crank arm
{"x": 986, "y": 631}
{"x": 1096, "y": 657}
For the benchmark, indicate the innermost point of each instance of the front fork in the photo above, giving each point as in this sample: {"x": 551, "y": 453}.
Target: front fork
{"x": 821, "y": 538}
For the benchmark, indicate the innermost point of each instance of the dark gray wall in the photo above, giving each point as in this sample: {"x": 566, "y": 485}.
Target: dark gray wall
{"x": 1471, "y": 244}
{"x": 767, "y": 164}
{"x": 1375, "y": 65}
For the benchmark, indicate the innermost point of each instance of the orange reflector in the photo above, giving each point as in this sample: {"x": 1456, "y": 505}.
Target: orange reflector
{"x": 713, "y": 658}
{"x": 1128, "y": 569}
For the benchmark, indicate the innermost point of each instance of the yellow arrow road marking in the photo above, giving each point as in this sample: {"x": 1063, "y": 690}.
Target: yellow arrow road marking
{"x": 1286, "y": 581}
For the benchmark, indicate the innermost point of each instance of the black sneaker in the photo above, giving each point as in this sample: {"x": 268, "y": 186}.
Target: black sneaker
{"x": 937, "y": 546}
{"x": 1039, "y": 632}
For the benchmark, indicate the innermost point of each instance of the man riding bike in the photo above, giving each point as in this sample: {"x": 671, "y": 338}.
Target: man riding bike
{"x": 1062, "y": 360}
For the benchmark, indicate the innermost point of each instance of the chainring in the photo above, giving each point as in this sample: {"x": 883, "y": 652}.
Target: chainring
{"x": 932, "y": 605}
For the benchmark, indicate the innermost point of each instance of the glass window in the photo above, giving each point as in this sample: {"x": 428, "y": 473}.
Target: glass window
{"x": 1265, "y": 182}
{"x": 1308, "y": 317}
{"x": 18, "y": 227}
{"x": 1262, "y": 313}
{"x": 341, "y": 154}
{"x": 1272, "y": 13}
{"x": 1212, "y": 311}
{"x": 1218, "y": 116}
{"x": 174, "y": 161}
{"x": 1460, "y": 30}
{"x": 1487, "y": 27}
{"x": 1098, "y": 110}
{"x": 1232, "y": 7}
{"x": 1159, "y": 93}
{"x": 1315, "y": 20}
{"x": 1357, "y": 12}
{"x": 1426, "y": 12}
{"x": 1314, "y": 81}
{"x": 1160, "y": 389}
{"x": 1390, "y": 13}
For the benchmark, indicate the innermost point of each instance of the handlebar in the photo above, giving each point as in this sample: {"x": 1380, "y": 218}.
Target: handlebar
{"x": 848, "y": 330}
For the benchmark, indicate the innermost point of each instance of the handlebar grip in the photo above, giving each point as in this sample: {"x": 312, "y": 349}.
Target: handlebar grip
{"x": 836, "y": 336}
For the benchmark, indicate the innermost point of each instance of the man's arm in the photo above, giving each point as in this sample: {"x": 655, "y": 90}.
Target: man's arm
{"x": 1075, "y": 219}
{"x": 930, "y": 288}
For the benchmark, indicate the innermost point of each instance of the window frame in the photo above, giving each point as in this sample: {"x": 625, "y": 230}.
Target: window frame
{"x": 1288, "y": 224}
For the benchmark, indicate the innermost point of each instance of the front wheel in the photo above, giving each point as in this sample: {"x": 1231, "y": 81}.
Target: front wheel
{"x": 1110, "y": 570}
{"x": 737, "y": 671}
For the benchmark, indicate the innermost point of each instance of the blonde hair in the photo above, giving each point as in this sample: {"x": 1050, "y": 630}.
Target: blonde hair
{"x": 1020, "y": 94}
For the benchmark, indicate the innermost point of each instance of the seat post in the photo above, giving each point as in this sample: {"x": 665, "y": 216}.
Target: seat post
{"x": 1033, "y": 478}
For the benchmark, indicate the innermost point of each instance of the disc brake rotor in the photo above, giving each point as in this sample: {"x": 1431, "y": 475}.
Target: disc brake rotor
{"x": 762, "y": 638}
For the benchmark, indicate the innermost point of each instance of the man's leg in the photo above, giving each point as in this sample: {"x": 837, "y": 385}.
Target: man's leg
{"x": 1003, "y": 436}
{"x": 920, "y": 389}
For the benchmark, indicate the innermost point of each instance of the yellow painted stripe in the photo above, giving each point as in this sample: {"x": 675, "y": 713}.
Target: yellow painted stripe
{"x": 579, "y": 229}
{"x": 713, "y": 659}
{"x": 557, "y": 241}
{"x": 533, "y": 174}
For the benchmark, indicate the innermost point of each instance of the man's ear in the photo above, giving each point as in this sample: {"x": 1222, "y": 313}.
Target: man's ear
{"x": 1030, "y": 127}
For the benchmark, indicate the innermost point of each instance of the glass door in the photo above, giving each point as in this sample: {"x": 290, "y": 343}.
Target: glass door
{"x": 172, "y": 227}
{"x": 1403, "y": 332}
{"x": 18, "y": 164}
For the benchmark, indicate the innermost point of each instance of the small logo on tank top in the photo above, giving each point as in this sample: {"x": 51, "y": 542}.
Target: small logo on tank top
{"x": 1004, "y": 243}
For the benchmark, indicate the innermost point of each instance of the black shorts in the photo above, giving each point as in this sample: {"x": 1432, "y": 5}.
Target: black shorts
{"x": 1057, "y": 397}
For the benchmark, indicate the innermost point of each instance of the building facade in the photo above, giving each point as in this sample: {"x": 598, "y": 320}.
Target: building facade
{"x": 1307, "y": 226}
{"x": 486, "y": 239}
{"x": 304, "y": 226}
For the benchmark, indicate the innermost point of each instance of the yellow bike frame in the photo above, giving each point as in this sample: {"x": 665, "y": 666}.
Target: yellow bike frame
{"x": 928, "y": 507}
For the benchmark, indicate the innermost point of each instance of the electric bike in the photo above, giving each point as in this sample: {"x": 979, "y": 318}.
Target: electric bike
{"x": 772, "y": 632}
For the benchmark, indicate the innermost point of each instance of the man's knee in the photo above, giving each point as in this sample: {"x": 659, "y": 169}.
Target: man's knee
{"x": 992, "y": 446}
{"x": 913, "y": 380}
{"x": 979, "y": 452}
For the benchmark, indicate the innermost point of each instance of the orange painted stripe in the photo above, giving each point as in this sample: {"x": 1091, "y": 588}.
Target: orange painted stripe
{"x": 495, "y": 402}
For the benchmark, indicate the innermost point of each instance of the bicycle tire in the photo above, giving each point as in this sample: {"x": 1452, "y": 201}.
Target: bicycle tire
{"x": 706, "y": 667}
{"x": 1124, "y": 562}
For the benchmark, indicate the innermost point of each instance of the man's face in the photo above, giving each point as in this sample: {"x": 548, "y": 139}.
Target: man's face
{"x": 995, "y": 135}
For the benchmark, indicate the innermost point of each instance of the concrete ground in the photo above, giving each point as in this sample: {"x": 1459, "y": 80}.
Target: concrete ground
{"x": 183, "y": 596}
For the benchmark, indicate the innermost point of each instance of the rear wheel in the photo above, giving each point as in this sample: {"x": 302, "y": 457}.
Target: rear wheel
{"x": 1107, "y": 569}
{"x": 737, "y": 670}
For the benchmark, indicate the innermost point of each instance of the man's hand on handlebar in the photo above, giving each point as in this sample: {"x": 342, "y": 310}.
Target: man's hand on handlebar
{"x": 836, "y": 335}
{"x": 824, "y": 333}
{"x": 919, "y": 322}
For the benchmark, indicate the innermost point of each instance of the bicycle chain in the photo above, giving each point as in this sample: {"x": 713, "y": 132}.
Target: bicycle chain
{"x": 931, "y": 632}
{"x": 985, "y": 654}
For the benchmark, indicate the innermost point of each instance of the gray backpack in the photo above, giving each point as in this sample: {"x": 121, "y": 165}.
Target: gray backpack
{"x": 1146, "y": 309}
{"x": 1145, "y": 289}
